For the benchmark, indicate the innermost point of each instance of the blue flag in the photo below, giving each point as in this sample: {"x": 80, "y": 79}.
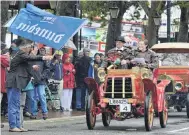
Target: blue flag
{"x": 43, "y": 27}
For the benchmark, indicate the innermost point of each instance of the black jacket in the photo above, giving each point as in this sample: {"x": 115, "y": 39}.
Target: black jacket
{"x": 18, "y": 76}
{"x": 82, "y": 67}
{"x": 43, "y": 74}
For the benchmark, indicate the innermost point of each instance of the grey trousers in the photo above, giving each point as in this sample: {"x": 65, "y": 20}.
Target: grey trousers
{"x": 22, "y": 105}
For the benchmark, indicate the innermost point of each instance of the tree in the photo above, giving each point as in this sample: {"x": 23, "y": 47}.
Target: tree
{"x": 157, "y": 8}
{"x": 4, "y": 18}
{"x": 184, "y": 20}
{"x": 93, "y": 9}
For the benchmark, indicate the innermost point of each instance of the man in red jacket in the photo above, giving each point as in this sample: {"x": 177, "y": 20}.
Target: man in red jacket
{"x": 4, "y": 64}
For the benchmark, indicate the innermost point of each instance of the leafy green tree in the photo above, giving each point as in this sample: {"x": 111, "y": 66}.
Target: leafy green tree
{"x": 93, "y": 9}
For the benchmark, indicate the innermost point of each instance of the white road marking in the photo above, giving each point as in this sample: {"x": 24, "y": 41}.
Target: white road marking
{"x": 182, "y": 129}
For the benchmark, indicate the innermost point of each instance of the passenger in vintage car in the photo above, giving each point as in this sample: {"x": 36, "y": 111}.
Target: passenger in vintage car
{"x": 151, "y": 58}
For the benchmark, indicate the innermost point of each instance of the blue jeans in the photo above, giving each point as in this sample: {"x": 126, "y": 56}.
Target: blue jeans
{"x": 80, "y": 98}
{"x": 13, "y": 95}
{"x": 40, "y": 91}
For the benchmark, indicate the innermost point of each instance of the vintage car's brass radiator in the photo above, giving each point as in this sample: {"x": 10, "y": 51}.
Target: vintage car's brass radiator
{"x": 119, "y": 88}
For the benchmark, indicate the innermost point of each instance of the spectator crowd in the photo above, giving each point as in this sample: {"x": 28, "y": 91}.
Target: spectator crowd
{"x": 26, "y": 75}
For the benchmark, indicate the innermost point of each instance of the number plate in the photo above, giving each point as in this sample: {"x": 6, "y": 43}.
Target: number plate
{"x": 125, "y": 108}
{"x": 117, "y": 101}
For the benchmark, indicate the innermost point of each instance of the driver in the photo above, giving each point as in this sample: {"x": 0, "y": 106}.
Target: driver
{"x": 150, "y": 57}
{"x": 125, "y": 53}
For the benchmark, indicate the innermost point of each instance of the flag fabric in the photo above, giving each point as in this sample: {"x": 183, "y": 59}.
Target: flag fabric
{"x": 43, "y": 27}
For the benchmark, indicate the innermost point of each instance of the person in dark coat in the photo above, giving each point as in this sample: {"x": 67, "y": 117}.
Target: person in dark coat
{"x": 17, "y": 79}
{"x": 82, "y": 68}
{"x": 40, "y": 80}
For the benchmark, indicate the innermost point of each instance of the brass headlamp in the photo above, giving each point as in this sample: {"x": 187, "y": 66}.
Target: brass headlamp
{"x": 101, "y": 74}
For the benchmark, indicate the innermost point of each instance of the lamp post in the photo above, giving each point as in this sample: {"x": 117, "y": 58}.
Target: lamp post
{"x": 114, "y": 11}
{"x": 157, "y": 21}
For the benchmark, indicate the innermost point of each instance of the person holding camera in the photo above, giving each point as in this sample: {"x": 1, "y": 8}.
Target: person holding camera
{"x": 68, "y": 84}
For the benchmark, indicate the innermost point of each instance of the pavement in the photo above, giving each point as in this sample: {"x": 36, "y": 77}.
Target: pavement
{"x": 178, "y": 124}
{"x": 53, "y": 115}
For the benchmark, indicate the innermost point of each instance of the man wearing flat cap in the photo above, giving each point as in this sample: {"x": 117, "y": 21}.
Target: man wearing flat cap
{"x": 125, "y": 52}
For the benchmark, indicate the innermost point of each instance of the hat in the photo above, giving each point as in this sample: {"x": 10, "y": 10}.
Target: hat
{"x": 120, "y": 38}
{"x": 64, "y": 57}
{"x": 86, "y": 50}
{"x": 58, "y": 52}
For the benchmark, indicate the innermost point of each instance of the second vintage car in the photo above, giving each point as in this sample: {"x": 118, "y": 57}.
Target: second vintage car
{"x": 174, "y": 66}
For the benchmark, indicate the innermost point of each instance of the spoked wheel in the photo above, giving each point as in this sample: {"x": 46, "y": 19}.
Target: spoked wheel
{"x": 106, "y": 118}
{"x": 187, "y": 105}
{"x": 148, "y": 111}
{"x": 90, "y": 111}
{"x": 163, "y": 116}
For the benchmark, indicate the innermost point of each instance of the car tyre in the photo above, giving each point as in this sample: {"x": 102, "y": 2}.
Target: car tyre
{"x": 106, "y": 118}
{"x": 148, "y": 111}
{"x": 179, "y": 108}
{"x": 187, "y": 105}
{"x": 90, "y": 111}
{"x": 163, "y": 116}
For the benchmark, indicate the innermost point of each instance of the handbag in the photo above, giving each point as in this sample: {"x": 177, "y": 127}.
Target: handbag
{"x": 29, "y": 86}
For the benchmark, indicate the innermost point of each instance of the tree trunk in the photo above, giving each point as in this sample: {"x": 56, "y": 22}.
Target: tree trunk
{"x": 151, "y": 31}
{"x": 156, "y": 7}
{"x": 183, "y": 30}
{"x": 152, "y": 28}
{"x": 4, "y": 18}
{"x": 115, "y": 25}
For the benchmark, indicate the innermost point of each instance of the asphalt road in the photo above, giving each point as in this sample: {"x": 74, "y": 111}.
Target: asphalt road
{"x": 178, "y": 124}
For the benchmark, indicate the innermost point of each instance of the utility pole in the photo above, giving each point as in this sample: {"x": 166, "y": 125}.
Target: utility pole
{"x": 168, "y": 20}
{"x": 80, "y": 35}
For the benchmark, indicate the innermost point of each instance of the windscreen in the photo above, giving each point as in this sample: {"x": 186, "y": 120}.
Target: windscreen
{"x": 174, "y": 59}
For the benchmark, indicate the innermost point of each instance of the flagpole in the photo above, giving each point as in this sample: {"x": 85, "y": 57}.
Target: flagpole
{"x": 21, "y": 4}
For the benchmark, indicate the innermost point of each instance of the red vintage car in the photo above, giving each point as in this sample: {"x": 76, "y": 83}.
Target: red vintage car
{"x": 175, "y": 67}
{"x": 124, "y": 94}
